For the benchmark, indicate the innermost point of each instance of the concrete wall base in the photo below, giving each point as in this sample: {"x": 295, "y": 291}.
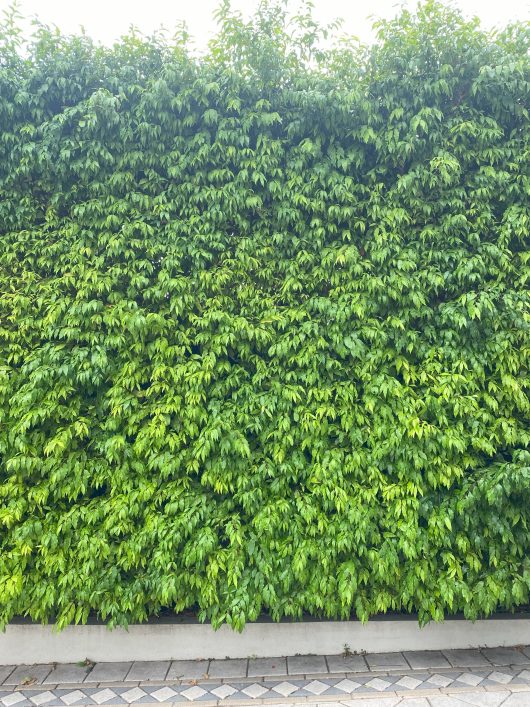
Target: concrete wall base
{"x": 33, "y": 643}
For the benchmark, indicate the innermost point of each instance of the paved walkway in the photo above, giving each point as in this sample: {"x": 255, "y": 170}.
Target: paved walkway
{"x": 489, "y": 677}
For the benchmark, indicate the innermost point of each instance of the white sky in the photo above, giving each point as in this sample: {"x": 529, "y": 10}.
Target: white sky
{"x": 106, "y": 20}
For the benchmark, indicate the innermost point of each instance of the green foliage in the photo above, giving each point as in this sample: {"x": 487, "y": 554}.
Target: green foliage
{"x": 265, "y": 322}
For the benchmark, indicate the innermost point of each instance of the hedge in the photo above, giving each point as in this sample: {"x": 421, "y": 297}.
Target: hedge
{"x": 265, "y": 321}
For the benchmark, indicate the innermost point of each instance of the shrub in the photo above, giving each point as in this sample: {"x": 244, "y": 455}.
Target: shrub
{"x": 264, "y": 340}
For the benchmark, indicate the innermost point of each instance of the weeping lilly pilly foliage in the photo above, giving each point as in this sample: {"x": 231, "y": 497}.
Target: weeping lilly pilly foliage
{"x": 265, "y": 321}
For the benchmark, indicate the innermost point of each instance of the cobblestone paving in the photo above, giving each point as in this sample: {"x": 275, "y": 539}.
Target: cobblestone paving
{"x": 491, "y": 677}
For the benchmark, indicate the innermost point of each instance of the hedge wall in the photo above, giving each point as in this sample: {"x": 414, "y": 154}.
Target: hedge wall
{"x": 265, "y": 321}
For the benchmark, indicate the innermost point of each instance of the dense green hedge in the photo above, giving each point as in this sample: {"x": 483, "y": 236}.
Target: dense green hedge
{"x": 265, "y": 322}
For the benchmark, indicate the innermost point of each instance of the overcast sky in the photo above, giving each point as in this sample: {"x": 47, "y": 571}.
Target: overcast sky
{"x": 106, "y": 20}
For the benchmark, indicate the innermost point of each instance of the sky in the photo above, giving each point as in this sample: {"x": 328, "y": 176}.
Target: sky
{"x": 107, "y": 20}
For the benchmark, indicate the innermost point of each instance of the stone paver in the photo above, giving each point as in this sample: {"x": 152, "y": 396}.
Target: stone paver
{"x": 346, "y": 664}
{"x": 426, "y": 660}
{"x": 284, "y": 688}
{"x": 505, "y": 656}
{"x": 5, "y": 672}
{"x": 164, "y": 694}
{"x": 34, "y": 673}
{"x": 134, "y": 694}
{"x": 444, "y": 701}
{"x": 499, "y": 678}
{"x": 145, "y": 670}
{"x": 470, "y": 679}
{"x": 227, "y": 668}
{"x": 408, "y": 682}
{"x": 103, "y": 695}
{"x": 108, "y": 672}
{"x": 306, "y": 664}
{"x": 267, "y": 667}
{"x": 255, "y": 690}
{"x": 188, "y": 670}
{"x": 42, "y": 698}
{"x": 346, "y": 685}
{"x": 482, "y": 699}
{"x": 370, "y": 702}
{"x": 67, "y": 672}
{"x": 13, "y": 699}
{"x": 73, "y": 697}
{"x": 519, "y": 699}
{"x": 386, "y": 661}
{"x": 378, "y": 684}
{"x": 466, "y": 658}
{"x": 438, "y": 680}
{"x": 193, "y": 693}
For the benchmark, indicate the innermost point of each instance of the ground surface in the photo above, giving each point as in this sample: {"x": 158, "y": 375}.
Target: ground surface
{"x": 454, "y": 678}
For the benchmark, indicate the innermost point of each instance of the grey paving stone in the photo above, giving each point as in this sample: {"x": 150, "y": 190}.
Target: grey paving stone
{"x": 333, "y": 692}
{"x": 371, "y": 702}
{"x": 13, "y": 699}
{"x": 517, "y": 699}
{"x": 302, "y": 664}
{"x": 67, "y": 672}
{"x": 108, "y": 672}
{"x": 346, "y": 664}
{"x": 69, "y": 696}
{"x": 523, "y": 676}
{"x": 466, "y": 658}
{"x": 104, "y": 695}
{"x": 443, "y": 701}
{"x": 267, "y": 667}
{"x": 420, "y": 660}
{"x": 505, "y": 656}
{"x": 143, "y": 670}
{"x": 5, "y": 672}
{"x": 188, "y": 670}
{"x": 386, "y": 661}
{"x": 38, "y": 673}
{"x": 231, "y": 668}
{"x": 37, "y": 697}
{"x": 482, "y": 699}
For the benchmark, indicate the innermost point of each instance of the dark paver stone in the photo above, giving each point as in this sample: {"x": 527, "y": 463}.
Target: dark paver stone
{"x": 108, "y": 672}
{"x": 346, "y": 664}
{"x": 67, "y": 672}
{"x": 505, "y": 656}
{"x": 466, "y": 658}
{"x": 144, "y": 670}
{"x": 306, "y": 664}
{"x": 230, "y": 668}
{"x": 419, "y": 660}
{"x": 386, "y": 661}
{"x": 267, "y": 667}
{"x": 38, "y": 673}
{"x": 5, "y": 672}
{"x": 188, "y": 670}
